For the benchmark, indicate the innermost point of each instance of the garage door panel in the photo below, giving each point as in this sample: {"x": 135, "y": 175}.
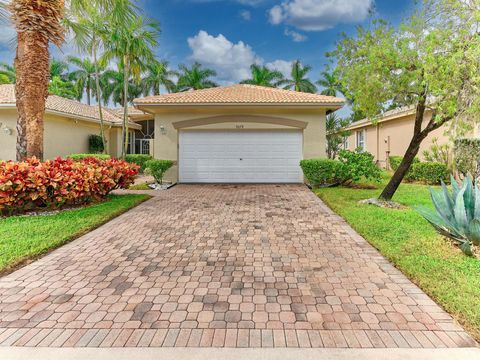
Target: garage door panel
{"x": 229, "y": 157}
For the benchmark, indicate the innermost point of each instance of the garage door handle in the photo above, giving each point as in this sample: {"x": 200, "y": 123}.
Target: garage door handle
{"x": 241, "y": 159}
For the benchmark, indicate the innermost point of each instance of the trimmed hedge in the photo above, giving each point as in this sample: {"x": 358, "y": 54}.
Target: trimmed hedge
{"x": 158, "y": 168}
{"x": 322, "y": 171}
{"x": 396, "y": 160}
{"x": 139, "y": 159}
{"x": 428, "y": 172}
{"x": 89, "y": 156}
{"x": 31, "y": 185}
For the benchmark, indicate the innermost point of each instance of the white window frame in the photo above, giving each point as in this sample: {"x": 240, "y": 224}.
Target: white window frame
{"x": 346, "y": 143}
{"x": 361, "y": 143}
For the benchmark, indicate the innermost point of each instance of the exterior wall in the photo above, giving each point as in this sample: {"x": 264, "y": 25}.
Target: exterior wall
{"x": 62, "y": 136}
{"x": 393, "y": 137}
{"x": 166, "y": 135}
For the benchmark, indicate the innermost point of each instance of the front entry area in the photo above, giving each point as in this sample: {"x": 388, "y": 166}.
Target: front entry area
{"x": 240, "y": 156}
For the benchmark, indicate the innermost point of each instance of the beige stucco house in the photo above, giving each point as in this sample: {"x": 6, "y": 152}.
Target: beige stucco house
{"x": 67, "y": 126}
{"x": 391, "y": 135}
{"x": 238, "y": 133}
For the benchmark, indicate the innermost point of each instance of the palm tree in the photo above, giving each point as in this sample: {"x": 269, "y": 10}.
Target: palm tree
{"x": 7, "y": 73}
{"x": 38, "y": 23}
{"x": 112, "y": 83}
{"x": 157, "y": 75}
{"x": 59, "y": 68}
{"x": 131, "y": 42}
{"x": 84, "y": 76}
{"x": 195, "y": 78}
{"x": 329, "y": 83}
{"x": 298, "y": 81}
{"x": 263, "y": 76}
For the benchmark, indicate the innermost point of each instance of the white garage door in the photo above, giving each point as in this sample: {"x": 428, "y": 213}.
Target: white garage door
{"x": 240, "y": 156}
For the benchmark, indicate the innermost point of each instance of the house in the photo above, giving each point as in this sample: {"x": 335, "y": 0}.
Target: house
{"x": 67, "y": 126}
{"x": 141, "y": 138}
{"x": 390, "y": 135}
{"x": 238, "y": 133}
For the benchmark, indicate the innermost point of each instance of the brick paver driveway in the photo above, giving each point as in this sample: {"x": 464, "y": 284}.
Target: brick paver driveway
{"x": 233, "y": 266}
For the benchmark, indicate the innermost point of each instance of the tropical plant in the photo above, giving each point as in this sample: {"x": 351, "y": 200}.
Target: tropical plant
{"x": 59, "y": 68}
{"x": 457, "y": 213}
{"x": 7, "y": 73}
{"x": 336, "y": 135}
{"x": 84, "y": 76}
{"x": 60, "y": 87}
{"x": 298, "y": 80}
{"x": 130, "y": 42}
{"x": 95, "y": 144}
{"x": 157, "y": 75}
{"x": 440, "y": 153}
{"x": 430, "y": 61}
{"x": 113, "y": 89}
{"x": 158, "y": 168}
{"x": 467, "y": 156}
{"x": 195, "y": 77}
{"x": 263, "y": 76}
{"x": 329, "y": 83}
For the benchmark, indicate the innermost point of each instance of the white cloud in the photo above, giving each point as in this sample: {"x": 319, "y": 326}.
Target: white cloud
{"x": 295, "y": 36}
{"x": 245, "y": 15}
{"x": 318, "y": 15}
{"x": 285, "y": 67}
{"x": 231, "y": 61}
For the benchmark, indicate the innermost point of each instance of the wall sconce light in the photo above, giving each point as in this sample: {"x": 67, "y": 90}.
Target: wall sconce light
{"x": 163, "y": 131}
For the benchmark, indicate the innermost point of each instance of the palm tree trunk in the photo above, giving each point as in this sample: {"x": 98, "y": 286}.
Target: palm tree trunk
{"x": 99, "y": 99}
{"x": 126, "y": 72}
{"x": 31, "y": 90}
{"x": 88, "y": 90}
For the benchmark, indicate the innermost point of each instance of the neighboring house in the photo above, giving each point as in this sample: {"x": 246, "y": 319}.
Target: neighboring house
{"x": 67, "y": 126}
{"x": 239, "y": 133}
{"x": 391, "y": 135}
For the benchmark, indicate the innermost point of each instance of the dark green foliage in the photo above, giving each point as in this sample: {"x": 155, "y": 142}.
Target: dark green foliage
{"x": 95, "y": 144}
{"x": 351, "y": 167}
{"x": 467, "y": 156}
{"x": 158, "y": 168}
{"x": 396, "y": 160}
{"x": 428, "y": 172}
{"x": 84, "y": 156}
{"x": 139, "y": 159}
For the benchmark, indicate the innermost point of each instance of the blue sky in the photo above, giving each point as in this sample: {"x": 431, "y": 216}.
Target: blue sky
{"x": 229, "y": 35}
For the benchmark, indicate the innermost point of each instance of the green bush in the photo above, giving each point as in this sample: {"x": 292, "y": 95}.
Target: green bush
{"x": 322, "y": 171}
{"x": 158, "y": 168}
{"x": 429, "y": 172}
{"x": 139, "y": 159}
{"x": 467, "y": 156}
{"x": 396, "y": 160}
{"x": 95, "y": 144}
{"x": 84, "y": 156}
{"x": 352, "y": 166}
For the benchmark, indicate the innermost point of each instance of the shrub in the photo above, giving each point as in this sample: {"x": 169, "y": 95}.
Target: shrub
{"x": 467, "y": 156}
{"x": 351, "y": 167}
{"x": 396, "y": 160}
{"x": 322, "y": 171}
{"x": 438, "y": 153}
{"x": 138, "y": 159}
{"x": 358, "y": 165}
{"x": 89, "y": 156}
{"x": 55, "y": 183}
{"x": 429, "y": 172}
{"x": 158, "y": 168}
{"x": 457, "y": 214}
{"x": 95, "y": 144}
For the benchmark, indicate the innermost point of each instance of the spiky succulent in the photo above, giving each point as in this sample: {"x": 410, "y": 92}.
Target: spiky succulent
{"x": 457, "y": 213}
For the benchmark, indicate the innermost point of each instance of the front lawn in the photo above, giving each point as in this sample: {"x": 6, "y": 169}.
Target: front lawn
{"x": 409, "y": 242}
{"x": 23, "y": 238}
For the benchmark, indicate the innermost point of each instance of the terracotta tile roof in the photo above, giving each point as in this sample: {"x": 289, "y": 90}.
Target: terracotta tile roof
{"x": 240, "y": 94}
{"x": 62, "y": 105}
{"x": 386, "y": 116}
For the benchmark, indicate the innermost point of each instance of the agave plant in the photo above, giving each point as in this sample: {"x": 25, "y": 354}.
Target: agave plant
{"x": 457, "y": 213}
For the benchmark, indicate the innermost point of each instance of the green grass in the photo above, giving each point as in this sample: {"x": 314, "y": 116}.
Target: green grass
{"x": 23, "y": 238}
{"x": 410, "y": 243}
{"x": 143, "y": 186}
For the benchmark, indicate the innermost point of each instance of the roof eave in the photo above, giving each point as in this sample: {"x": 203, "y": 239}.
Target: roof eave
{"x": 333, "y": 106}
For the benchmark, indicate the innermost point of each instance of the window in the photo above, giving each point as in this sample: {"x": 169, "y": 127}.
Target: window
{"x": 345, "y": 143}
{"x": 361, "y": 139}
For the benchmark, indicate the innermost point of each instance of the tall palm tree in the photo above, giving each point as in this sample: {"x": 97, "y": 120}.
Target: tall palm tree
{"x": 263, "y": 76}
{"x": 38, "y": 23}
{"x": 59, "y": 68}
{"x": 157, "y": 75}
{"x": 112, "y": 83}
{"x": 8, "y": 73}
{"x": 84, "y": 76}
{"x": 298, "y": 80}
{"x": 329, "y": 83}
{"x": 131, "y": 42}
{"x": 195, "y": 78}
